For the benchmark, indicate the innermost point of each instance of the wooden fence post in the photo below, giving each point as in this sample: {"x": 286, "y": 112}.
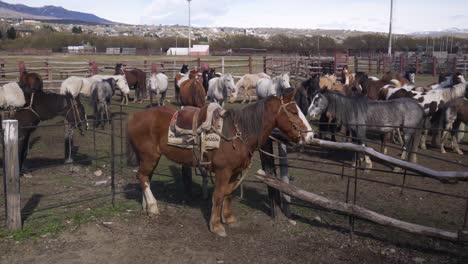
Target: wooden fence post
{"x": 454, "y": 64}
{"x": 222, "y": 64}
{"x": 369, "y": 64}
{"x": 2, "y": 66}
{"x": 250, "y": 65}
{"x": 402, "y": 62}
{"x": 154, "y": 68}
{"x": 264, "y": 64}
{"x": 417, "y": 65}
{"x": 434, "y": 66}
{"x": 11, "y": 174}
{"x": 47, "y": 66}
{"x": 94, "y": 68}
{"x": 21, "y": 67}
{"x": 198, "y": 62}
{"x": 385, "y": 62}
{"x": 356, "y": 64}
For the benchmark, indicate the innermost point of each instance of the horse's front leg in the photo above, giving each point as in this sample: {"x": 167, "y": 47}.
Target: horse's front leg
{"x": 162, "y": 98}
{"x": 228, "y": 216}
{"x": 68, "y": 143}
{"x": 221, "y": 187}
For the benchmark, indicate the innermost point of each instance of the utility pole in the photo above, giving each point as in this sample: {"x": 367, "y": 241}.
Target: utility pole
{"x": 189, "y": 28}
{"x": 390, "y": 30}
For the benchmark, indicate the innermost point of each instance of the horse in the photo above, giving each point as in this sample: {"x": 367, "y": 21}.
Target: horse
{"x": 101, "y": 95}
{"x": 368, "y": 86}
{"x": 11, "y": 96}
{"x": 448, "y": 80}
{"x": 220, "y": 88}
{"x": 395, "y": 78}
{"x": 158, "y": 84}
{"x": 75, "y": 86}
{"x": 249, "y": 82}
{"x": 244, "y": 131}
{"x": 207, "y": 75}
{"x": 274, "y": 86}
{"x": 410, "y": 76}
{"x": 183, "y": 71}
{"x": 453, "y": 114}
{"x": 431, "y": 101}
{"x": 136, "y": 79}
{"x": 360, "y": 116}
{"x": 46, "y": 106}
{"x": 192, "y": 92}
{"x": 346, "y": 77}
{"x": 30, "y": 82}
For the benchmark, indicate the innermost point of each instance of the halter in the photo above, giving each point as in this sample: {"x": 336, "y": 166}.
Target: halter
{"x": 30, "y": 108}
{"x": 289, "y": 115}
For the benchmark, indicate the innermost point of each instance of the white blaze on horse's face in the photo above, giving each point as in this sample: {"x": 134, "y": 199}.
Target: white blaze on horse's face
{"x": 318, "y": 105}
{"x": 309, "y": 135}
{"x": 412, "y": 77}
{"x": 285, "y": 80}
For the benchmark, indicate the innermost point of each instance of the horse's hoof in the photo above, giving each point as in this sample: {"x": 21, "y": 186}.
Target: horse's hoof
{"x": 68, "y": 161}
{"x": 460, "y": 152}
{"x": 396, "y": 169}
{"x": 423, "y": 147}
{"x": 231, "y": 221}
{"x": 219, "y": 230}
{"x": 152, "y": 210}
{"x": 443, "y": 151}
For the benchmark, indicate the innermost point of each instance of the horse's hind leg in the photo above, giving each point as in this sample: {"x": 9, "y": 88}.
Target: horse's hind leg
{"x": 455, "y": 146}
{"x": 144, "y": 174}
{"x": 162, "y": 98}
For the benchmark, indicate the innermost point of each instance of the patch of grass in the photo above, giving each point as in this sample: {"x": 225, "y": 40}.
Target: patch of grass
{"x": 53, "y": 225}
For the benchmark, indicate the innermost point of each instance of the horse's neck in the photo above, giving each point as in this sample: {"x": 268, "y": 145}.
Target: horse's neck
{"x": 49, "y": 107}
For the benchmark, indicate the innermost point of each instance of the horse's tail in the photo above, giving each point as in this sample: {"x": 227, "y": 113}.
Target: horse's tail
{"x": 132, "y": 159}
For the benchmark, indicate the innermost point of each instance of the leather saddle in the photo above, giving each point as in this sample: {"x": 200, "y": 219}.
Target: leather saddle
{"x": 194, "y": 121}
{"x": 197, "y": 128}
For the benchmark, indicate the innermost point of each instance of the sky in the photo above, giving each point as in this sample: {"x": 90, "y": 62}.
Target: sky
{"x": 364, "y": 15}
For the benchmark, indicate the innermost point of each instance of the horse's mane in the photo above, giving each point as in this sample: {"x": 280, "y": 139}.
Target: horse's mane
{"x": 344, "y": 108}
{"x": 249, "y": 119}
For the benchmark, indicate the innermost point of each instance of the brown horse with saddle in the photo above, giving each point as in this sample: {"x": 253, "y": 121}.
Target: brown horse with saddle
{"x": 241, "y": 132}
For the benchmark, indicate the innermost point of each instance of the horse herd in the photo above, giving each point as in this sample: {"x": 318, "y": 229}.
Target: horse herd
{"x": 359, "y": 103}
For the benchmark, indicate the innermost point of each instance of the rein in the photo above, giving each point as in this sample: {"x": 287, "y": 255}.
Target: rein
{"x": 30, "y": 108}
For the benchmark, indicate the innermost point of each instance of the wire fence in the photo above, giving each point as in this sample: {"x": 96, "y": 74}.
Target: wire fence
{"x": 99, "y": 174}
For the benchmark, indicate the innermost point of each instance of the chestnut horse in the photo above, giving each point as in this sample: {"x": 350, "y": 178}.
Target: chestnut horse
{"x": 30, "y": 83}
{"x": 136, "y": 79}
{"x": 192, "y": 92}
{"x": 244, "y": 131}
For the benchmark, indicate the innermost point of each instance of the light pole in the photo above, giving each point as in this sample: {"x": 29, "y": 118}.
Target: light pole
{"x": 189, "y": 28}
{"x": 390, "y": 30}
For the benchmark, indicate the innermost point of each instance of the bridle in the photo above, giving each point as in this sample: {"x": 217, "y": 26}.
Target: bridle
{"x": 283, "y": 107}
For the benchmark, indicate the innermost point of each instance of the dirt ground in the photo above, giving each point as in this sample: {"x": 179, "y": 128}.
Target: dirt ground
{"x": 58, "y": 229}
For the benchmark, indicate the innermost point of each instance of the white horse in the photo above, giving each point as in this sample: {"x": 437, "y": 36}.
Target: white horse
{"x": 249, "y": 82}
{"x": 75, "y": 86}
{"x": 220, "y": 88}
{"x": 275, "y": 86}
{"x": 11, "y": 96}
{"x": 158, "y": 84}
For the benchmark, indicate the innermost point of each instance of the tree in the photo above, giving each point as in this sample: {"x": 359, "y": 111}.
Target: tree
{"x": 11, "y": 33}
{"x": 77, "y": 30}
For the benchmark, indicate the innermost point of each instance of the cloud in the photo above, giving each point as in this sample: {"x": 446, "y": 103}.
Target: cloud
{"x": 203, "y": 12}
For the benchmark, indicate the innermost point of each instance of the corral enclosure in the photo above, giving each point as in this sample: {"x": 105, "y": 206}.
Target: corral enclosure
{"x": 60, "y": 195}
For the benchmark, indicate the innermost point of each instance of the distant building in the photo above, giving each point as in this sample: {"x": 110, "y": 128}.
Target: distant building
{"x": 196, "y": 50}
{"x": 81, "y": 49}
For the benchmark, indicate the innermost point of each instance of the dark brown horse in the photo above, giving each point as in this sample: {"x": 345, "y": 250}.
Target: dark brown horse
{"x": 177, "y": 78}
{"x": 136, "y": 80}
{"x": 244, "y": 131}
{"x": 30, "y": 83}
{"x": 192, "y": 92}
{"x": 368, "y": 86}
{"x": 46, "y": 106}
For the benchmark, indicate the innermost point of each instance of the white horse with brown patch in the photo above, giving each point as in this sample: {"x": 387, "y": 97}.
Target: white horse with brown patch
{"x": 11, "y": 96}
{"x": 248, "y": 82}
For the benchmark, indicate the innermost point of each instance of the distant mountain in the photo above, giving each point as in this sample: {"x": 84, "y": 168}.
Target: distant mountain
{"x": 47, "y": 13}
{"x": 449, "y": 31}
